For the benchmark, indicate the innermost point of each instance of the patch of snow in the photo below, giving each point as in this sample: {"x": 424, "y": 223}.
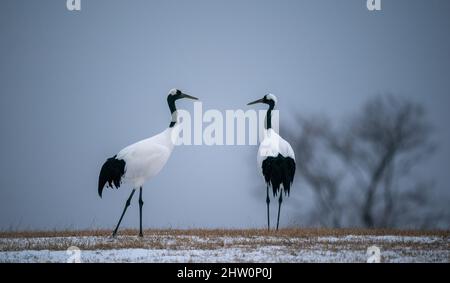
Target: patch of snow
{"x": 383, "y": 239}
{"x": 183, "y": 248}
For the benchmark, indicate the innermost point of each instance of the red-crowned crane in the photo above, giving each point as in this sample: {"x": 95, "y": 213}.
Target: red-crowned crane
{"x": 141, "y": 161}
{"x": 275, "y": 158}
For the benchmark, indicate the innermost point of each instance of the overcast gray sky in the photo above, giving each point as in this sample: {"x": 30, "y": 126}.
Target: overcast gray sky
{"x": 76, "y": 87}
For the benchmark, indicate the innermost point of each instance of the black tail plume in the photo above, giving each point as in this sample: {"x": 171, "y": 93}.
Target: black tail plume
{"x": 279, "y": 171}
{"x": 111, "y": 174}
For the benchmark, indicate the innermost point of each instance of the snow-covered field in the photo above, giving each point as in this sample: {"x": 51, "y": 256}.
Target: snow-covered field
{"x": 238, "y": 246}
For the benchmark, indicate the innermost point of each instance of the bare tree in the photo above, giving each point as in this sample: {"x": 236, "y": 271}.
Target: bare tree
{"x": 362, "y": 172}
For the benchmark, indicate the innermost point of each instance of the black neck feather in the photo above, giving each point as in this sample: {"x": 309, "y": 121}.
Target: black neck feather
{"x": 269, "y": 115}
{"x": 173, "y": 108}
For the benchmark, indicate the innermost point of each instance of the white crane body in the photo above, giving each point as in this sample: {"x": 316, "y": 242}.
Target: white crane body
{"x": 141, "y": 161}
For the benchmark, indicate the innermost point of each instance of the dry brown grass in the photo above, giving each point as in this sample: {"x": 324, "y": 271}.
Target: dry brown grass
{"x": 292, "y": 239}
{"x": 290, "y": 233}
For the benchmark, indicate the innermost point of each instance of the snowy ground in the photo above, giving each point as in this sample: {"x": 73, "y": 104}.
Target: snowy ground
{"x": 254, "y": 246}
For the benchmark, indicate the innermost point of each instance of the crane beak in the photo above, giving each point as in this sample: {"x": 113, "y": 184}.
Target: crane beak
{"x": 256, "y": 101}
{"x": 184, "y": 95}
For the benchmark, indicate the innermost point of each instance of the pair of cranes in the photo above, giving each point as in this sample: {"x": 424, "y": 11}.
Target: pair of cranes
{"x": 143, "y": 160}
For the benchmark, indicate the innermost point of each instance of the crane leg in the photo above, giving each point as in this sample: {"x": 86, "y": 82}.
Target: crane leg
{"x": 141, "y": 203}
{"x": 127, "y": 204}
{"x": 280, "y": 200}
{"x": 268, "y": 202}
